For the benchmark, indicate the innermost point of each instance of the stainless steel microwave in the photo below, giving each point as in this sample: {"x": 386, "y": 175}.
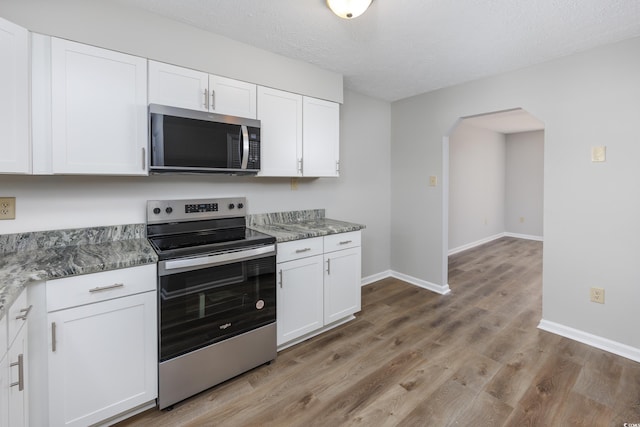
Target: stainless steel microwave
{"x": 189, "y": 141}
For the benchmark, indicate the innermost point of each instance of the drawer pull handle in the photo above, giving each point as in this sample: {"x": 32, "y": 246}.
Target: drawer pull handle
{"x": 20, "y": 365}
{"x": 280, "y": 278}
{"x": 299, "y": 251}
{"x": 346, "y": 242}
{"x": 328, "y": 266}
{"x": 106, "y": 288}
{"x": 25, "y": 313}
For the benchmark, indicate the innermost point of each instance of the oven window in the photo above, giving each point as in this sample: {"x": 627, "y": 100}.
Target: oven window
{"x": 198, "y": 143}
{"x": 201, "y": 307}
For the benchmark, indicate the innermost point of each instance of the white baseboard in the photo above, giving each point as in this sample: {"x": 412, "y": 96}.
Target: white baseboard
{"x": 442, "y": 290}
{"x": 524, "y": 236}
{"x": 605, "y": 344}
{"x": 476, "y": 243}
{"x": 375, "y": 277}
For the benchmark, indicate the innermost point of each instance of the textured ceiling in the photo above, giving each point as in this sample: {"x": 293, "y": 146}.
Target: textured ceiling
{"x": 400, "y": 48}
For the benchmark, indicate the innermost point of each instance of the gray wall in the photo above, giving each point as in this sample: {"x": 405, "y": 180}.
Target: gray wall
{"x": 116, "y": 26}
{"x": 524, "y": 184}
{"x": 476, "y": 185}
{"x": 590, "y": 209}
{"x": 495, "y": 185}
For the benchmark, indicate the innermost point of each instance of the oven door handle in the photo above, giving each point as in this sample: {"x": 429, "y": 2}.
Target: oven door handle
{"x": 224, "y": 258}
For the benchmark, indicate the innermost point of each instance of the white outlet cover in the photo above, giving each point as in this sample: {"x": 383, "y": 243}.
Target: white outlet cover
{"x": 599, "y": 154}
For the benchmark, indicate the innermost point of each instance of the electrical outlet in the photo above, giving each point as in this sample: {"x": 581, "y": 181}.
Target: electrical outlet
{"x": 599, "y": 154}
{"x": 7, "y": 208}
{"x": 433, "y": 181}
{"x": 521, "y": 219}
{"x": 597, "y": 295}
{"x": 294, "y": 184}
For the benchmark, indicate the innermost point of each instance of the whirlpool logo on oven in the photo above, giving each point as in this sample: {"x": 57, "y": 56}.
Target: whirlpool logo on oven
{"x": 225, "y": 326}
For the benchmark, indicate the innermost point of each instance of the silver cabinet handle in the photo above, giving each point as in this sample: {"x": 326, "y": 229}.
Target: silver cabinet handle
{"x": 300, "y": 166}
{"x": 280, "y": 278}
{"x": 328, "y": 265}
{"x": 25, "y": 312}
{"x": 299, "y": 251}
{"x": 106, "y": 288}
{"x": 346, "y": 242}
{"x": 20, "y": 365}
{"x": 53, "y": 337}
{"x": 206, "y": 99}
{"x": 213, "y": 100}
{"x": 144, "y": 158}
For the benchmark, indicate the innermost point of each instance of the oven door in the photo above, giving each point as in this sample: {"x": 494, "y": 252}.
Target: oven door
{"x": 204, "y": 300}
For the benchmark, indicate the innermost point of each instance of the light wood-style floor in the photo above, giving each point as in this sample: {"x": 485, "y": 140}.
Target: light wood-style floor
{"x": 415, "y": 358}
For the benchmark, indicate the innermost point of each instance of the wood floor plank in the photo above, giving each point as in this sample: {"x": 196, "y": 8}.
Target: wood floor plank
{"x": 412, "y": 357}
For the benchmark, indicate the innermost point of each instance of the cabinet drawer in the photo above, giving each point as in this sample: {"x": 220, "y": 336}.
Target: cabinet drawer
{"x": 17, "y": 316}
{"x": 4, "y": 344}
{"x": 299, "y": 249}
{"x": 89, "y": 288}
{"x": 336, "y": 242}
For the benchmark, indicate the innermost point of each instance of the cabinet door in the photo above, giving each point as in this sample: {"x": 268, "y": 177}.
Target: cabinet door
{"x": 341, "y": 284}
{"x": 232, "y": 97}
{"x": 280, "y": 115}
{"x": 320, "y": 137}
{"x": 14, "y": 99}
{"x": 178, "y": 86}
{"x": 18, "y": 396}
{"x": 299, "y": 298}
{"x": 102, "y": 359}
{"x": 99, "y": 110}
{"x": 4, "y": 388}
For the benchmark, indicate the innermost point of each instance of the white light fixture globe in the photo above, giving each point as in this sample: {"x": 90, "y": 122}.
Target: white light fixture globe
{"x": 348, "y": 9}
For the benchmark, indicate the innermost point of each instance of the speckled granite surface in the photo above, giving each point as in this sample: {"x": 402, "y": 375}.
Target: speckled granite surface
{"x": 27, "y": 257}
{"x": 296, "y": 225}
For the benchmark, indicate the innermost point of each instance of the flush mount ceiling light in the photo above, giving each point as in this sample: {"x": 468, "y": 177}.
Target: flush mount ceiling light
{"x": 348, "y": 9}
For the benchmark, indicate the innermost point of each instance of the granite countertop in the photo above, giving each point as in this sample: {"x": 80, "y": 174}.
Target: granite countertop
{"x": 296, "y": 225}
{"x": 28, "y": 257}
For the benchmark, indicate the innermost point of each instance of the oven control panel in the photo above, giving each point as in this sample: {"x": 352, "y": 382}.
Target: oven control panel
{"x": 163, "y": 211}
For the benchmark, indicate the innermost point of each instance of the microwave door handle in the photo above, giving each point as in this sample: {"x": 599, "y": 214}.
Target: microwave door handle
{"x": 245, "y": 146}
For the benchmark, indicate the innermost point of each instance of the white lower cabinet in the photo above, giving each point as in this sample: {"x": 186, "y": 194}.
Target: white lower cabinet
{"x": 318, "y": 284}
{"x": 102, "y": 350}
{"x": 18, "y": 396}
{"x": 299, "y": 294}
{"x": 14, "y": 398}
{"x": 341, "y": 284}
{"x": 4, "y": 389}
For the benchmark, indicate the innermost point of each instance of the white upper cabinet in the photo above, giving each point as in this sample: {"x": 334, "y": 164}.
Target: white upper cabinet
{"x": 232, "y": 97}
{"x": 280, "y": 115}
{"x": 98, "y": 110}
{"x": 15, "y": 154}
{"x": 196, "y": 90}
{"x": 321, "y": 138}
{"x": 178, "y": 87}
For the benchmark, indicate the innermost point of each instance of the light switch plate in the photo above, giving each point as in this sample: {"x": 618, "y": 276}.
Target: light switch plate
{"x": 7, "y": 208}
{"x": 599, "y": 154}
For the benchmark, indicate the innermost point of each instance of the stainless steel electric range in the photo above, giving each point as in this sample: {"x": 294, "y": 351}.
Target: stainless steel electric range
{"x": 216, "y": 294}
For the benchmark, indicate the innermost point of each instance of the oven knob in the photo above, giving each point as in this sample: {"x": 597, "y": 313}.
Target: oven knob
{"x": 240, "y": 205}
{"x": 156, "y": 211}
{"x": 169, "y": 209}
{"x": 231, "y": 206}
